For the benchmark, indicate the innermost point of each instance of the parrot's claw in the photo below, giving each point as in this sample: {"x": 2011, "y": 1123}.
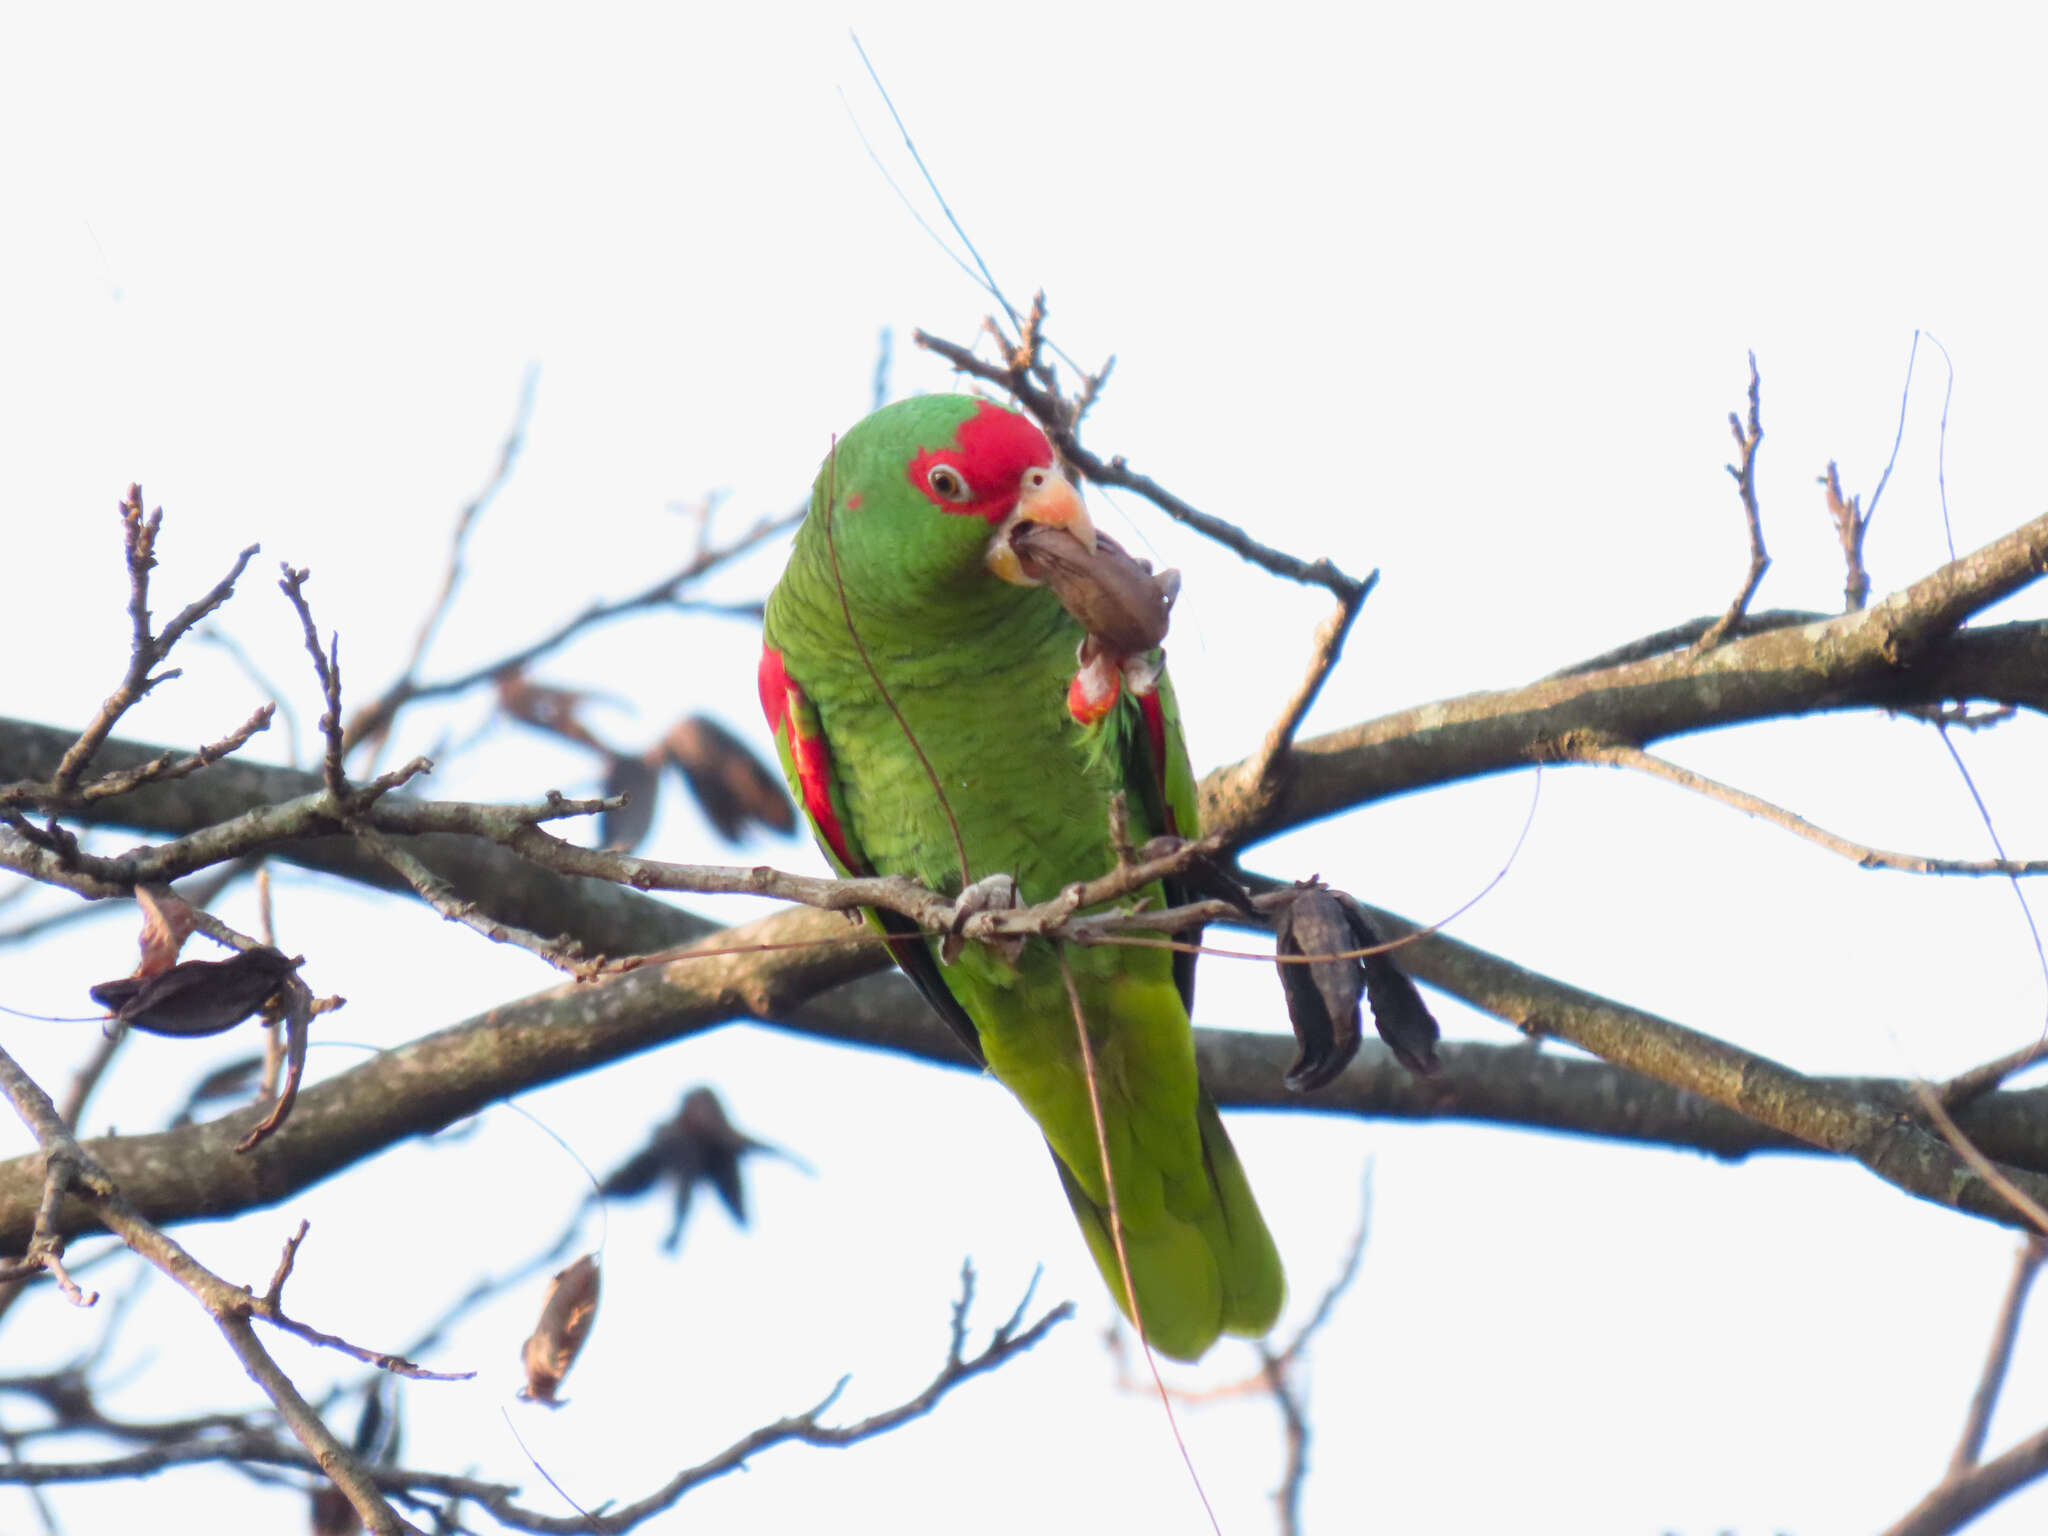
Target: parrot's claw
{"x": 992, "y": 893}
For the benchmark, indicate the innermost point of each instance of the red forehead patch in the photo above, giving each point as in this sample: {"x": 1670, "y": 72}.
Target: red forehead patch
{"x": 991, "y": 450}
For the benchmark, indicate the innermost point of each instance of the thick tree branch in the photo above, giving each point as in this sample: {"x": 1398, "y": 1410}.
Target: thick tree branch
{"x": 1900, "y": 651}
{"x": 1789, "y": 671}
{"x": 430, "y": 1083}
{"x": 1887, "y": 1141}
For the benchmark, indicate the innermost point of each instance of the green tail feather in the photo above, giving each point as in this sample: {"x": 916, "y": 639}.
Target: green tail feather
{"x": 1217, "y": 1273}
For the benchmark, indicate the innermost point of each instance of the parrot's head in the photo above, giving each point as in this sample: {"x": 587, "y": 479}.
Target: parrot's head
{"x": 918, "y": 502}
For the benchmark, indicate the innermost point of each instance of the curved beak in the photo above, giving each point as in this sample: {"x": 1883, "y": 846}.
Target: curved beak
{"x": 1055, "y": 504}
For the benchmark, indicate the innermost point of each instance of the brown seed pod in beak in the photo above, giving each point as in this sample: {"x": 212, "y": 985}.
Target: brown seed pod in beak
{"x": 1048, "y": 501}
{"x": 1114, "y": 597}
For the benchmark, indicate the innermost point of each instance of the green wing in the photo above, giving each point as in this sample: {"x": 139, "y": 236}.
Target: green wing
{"x": 806, "y": 758}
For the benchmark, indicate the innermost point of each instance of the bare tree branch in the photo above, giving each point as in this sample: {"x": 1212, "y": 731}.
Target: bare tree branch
{"x": 1956, "y": 1501}
{"x": 1851, "y": 523}
{"x": 1747, "y": 440}
{"x": 1799, "y": 826}
{"x": 231, "y": 1307}
{"x": 376, "y": 716}
{"x": 2026, "y": 1265}
{"x": 1058, "y": 419}
{"x": 147, "y": 648}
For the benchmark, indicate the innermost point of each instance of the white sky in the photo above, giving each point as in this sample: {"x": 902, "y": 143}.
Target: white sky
{"x": 1463, "y": 294}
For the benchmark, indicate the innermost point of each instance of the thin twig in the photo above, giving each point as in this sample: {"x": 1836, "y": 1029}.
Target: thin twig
{"x": 1264, "y": 767}
{"x": 2026, "y": 1265}
{"x": 1948, "y": 531}
{"x": 1956, "y": 1501}
{"x": 1967, "y": 1087}
{"x": 1747, "y": 439}
{"x": 1998, "y": 1178}
{"x": 1296, "y": 1433}
{"x": 1899, "y": 434}
{"x": 1052, "y": 414}
{"x": 1679, "y": 637}
{"x": 245, "y": 663}
{"x": 88, "y": 1076}
{"x": 176, "y": 765}
{"x": 375, "y": 715}
{"x": 1851, "y": 521}
{"x": 563, "y": 953}
{"x": 146, "y": 649}
{"x": 327, "y": 665}
{"x": 458, "y": 541}
{"x": 300, "y": 1009}
{"x": 231, "y": 1307}
{"x": 1962, "y": 768}
{"x": 1621, "y": 756}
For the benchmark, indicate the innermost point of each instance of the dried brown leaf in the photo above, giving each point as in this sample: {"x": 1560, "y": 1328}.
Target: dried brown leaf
{"x": 167, "y": 922}
{"x": 554, "y": 710}
{"x": 198, "y": 997}
{"x": 700, "y": 1145}
{"x": 333, "y": 1515}
{"x": 557, "y": 1339}
{"x": 732, "y": 785}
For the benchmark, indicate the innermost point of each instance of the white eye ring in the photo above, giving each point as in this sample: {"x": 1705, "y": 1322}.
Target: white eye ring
{"x": 1036, "y": 477}
{"x": 948, "y": 484}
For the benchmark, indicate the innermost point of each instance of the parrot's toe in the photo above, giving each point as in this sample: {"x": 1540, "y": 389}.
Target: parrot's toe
{"x": 991, "y": 893}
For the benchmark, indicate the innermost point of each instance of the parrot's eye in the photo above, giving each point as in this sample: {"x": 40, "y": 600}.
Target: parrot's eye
{"x": 947, "y": 483}
{"x": 1036, "y": 477}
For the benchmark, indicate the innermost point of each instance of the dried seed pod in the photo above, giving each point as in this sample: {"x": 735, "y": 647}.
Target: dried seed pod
{"x": 1113, "y": 596}
{"x": 730, "y": 783}
{"x": 557, "y": 1339}
{"x": 1323, "y": 995}
{"x": 1398, "y": 1011}
{"x": 198, "y": 997}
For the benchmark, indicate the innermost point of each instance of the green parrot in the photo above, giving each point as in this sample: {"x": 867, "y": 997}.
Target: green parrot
{"x": 903, "y": 589}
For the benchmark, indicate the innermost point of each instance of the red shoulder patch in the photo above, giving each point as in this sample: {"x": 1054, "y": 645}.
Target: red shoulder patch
{"x": 773, "y": 683}
{"x": 782, "y": 701}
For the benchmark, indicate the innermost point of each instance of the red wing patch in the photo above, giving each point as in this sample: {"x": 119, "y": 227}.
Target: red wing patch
{"x": 792, "y": 719}
{"x": 1155, "y": 740}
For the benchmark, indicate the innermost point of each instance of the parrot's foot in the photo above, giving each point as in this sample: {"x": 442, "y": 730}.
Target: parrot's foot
{"x": 992, "y": 893}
